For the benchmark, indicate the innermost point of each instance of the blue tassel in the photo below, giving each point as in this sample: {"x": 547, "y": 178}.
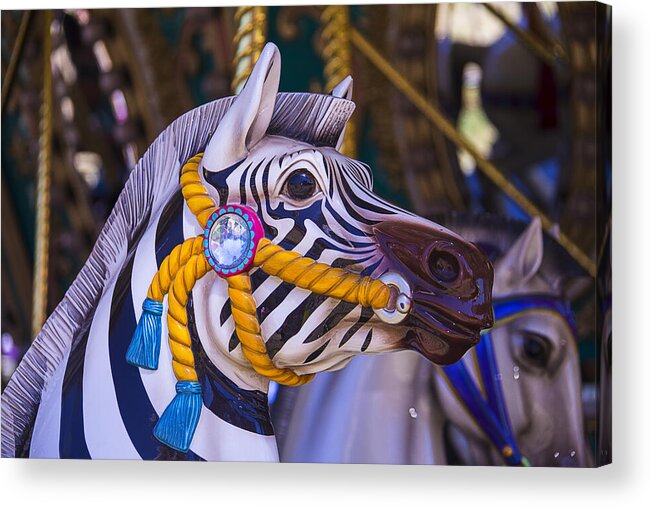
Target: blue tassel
{"x": 145, "y": 344}
{"x": 177, "y": 425}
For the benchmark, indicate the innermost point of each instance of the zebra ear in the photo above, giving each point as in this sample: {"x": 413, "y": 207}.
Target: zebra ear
{"x": 522, "y": 261}
{"x": 343, "y": 90}
{"x": 248, "y": 118}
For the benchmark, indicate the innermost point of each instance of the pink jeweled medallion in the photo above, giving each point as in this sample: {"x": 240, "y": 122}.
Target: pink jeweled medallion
{"x": 230, "y": 239}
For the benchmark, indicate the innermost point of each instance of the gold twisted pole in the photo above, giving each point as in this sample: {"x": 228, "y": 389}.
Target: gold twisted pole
{"x": 248, "y": 41}
{"x": 8, "y": 80}
{"x": 39, "y": 303}
{"x": 437, "y": 118}
{"x": 338, "y": 62}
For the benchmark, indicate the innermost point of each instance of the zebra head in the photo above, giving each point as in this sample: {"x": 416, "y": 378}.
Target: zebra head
{"x": 278, "y": 154}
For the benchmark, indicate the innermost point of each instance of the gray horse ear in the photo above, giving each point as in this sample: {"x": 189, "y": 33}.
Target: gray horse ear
{"x": 248, "y": 117}
{"x": 522, "y": 261}
{"x": 343, "y": 90}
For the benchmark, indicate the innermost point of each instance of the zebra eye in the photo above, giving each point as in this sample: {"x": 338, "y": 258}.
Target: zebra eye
{"x": 300, "y": 185}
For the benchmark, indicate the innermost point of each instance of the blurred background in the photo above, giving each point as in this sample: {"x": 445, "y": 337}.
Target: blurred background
{"x": 498, "y": 114}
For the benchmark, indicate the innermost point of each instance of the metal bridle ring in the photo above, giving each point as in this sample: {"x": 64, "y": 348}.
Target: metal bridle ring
{"x": 403, "y": 302}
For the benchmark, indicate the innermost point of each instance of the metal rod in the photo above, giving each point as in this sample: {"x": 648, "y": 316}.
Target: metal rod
{"x": 529, "y": 40}
{"x": 8, "y": 81}
{"x": 42, "y": 244}
{"x": 484, "y": 165}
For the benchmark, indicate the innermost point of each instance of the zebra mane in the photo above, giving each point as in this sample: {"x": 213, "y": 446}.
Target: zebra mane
{"x": 312, "y": 118}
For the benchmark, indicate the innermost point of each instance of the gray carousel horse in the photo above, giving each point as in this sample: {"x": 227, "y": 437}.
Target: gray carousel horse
{"x": 515, "y": 398}
{"x": 97, "y": 381}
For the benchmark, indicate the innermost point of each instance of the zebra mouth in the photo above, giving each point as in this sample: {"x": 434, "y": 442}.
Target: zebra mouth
{"x": 438, "y": 337}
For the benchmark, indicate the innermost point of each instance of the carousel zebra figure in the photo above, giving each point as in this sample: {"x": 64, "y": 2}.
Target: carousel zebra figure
{"x": 267, "y": 257}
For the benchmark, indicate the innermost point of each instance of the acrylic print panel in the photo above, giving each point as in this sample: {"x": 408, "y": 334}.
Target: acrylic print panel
{"x": 239, "y": 255}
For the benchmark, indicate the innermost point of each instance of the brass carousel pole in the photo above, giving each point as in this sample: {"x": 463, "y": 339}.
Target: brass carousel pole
{"x": 338, "y": 61}
{"x": 39, "y": 302}
{"x": 249, "y": 39}
{"x": 8, "y": 80}
{"x": 488, "y": 168}
{"x": 528, "y": 39}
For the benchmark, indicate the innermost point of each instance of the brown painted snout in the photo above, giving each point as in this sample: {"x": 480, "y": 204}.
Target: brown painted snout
{"x": 451, "y": 282}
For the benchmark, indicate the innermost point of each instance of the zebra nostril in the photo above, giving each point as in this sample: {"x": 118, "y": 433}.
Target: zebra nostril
{"x": 443, "y": 266}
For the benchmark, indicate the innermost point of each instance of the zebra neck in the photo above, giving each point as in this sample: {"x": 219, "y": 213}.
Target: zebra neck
{"x": 247, "y": 409}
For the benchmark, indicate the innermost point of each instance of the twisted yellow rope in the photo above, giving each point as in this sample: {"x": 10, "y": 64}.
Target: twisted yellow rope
{"x": 195, "y": 194}
{"x": 177, "y": 316}
{"x": 178, "y": 257}
{"x": 249, "y": 334}
{"x": 178, "y": 273}
{"x": 291, "y": 267}
{"x": 186, "y": 264}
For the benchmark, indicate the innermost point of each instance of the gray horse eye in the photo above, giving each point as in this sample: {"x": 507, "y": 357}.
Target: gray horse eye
{"x": 535, "y": 349}
{"x": 300, "y": 185}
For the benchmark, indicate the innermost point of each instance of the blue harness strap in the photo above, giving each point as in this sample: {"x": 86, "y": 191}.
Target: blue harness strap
{"x": 490, "y": 411}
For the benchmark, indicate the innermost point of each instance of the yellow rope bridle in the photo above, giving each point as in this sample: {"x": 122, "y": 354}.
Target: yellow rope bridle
{"x": 178, "y": 274}
{"x": 290, "y": 267}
